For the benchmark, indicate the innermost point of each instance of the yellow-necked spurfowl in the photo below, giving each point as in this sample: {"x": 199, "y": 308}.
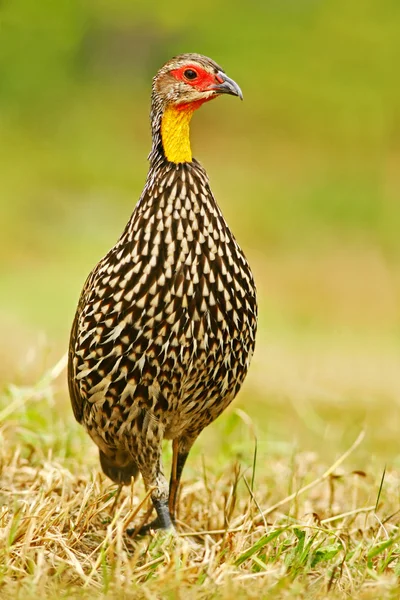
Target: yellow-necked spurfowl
{"x": 166, "y": 322}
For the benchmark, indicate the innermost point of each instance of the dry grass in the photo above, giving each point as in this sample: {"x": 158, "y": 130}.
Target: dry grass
{"x": 287, "y": 527}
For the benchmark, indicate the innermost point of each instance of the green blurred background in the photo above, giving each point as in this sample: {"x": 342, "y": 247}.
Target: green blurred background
{"x": 306, "y": 171}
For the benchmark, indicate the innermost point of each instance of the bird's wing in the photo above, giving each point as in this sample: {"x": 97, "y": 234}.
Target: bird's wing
{"x": 76, "y": 398}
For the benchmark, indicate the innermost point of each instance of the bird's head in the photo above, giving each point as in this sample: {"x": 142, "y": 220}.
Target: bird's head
{"x": 181, "y": 86}
{"x": 192, "y": 79}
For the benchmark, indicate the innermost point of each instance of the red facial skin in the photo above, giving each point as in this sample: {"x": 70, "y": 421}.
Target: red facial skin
{"x": 202, "y": 83}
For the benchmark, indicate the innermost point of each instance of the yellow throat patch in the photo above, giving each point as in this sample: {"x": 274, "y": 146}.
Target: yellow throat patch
{"x": 175, "y": 134}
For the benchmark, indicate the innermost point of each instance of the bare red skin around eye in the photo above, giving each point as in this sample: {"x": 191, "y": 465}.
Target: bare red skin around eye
{"x": 203, "y": 80}
{"x": 202, "y": 83}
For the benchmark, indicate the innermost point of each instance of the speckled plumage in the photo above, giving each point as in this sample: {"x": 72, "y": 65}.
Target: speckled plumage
{"x": 165, "y": 327}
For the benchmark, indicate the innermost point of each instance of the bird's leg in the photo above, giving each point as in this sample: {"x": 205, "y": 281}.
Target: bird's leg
{"x": 174, "y": 484}
{"x": 162, "y": 521}
{"x": 180, "y": 452}
{"x": 147, "y": 452}
{"x": 160, "y": 502}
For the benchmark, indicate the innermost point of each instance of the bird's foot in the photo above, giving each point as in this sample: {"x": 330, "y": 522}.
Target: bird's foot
{"x": 163, "y": 521}
{"x": 154, "y": 525}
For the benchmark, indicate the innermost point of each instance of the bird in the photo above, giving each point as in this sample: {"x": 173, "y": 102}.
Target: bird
{"x": 165, "y": 327}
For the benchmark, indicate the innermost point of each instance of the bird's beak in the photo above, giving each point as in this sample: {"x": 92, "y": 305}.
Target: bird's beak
{"x": 226, "y": 86}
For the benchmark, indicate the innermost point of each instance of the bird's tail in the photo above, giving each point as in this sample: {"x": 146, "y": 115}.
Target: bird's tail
{"x": 121, "y": 471}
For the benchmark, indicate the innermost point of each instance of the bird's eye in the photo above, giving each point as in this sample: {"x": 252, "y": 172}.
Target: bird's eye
{"x": 190, "y": 74}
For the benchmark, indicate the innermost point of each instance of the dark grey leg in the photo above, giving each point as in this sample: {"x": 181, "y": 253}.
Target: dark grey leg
{"x": 176, "y": 474}
{"x": 147, "y": 452}
{"x": 163, "y": 520}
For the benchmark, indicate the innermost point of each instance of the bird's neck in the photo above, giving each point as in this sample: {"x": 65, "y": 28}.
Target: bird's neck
{"x": 170, "y": 131}
{"x": 175, "y": 132}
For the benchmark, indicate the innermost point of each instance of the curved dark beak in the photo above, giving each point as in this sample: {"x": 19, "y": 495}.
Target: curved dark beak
{"x": 227, "y": 85}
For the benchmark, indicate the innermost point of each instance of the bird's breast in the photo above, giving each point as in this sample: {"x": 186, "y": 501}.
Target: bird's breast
{"x": 173, "y": 301}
